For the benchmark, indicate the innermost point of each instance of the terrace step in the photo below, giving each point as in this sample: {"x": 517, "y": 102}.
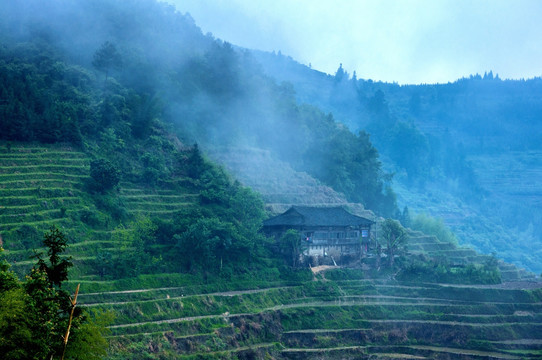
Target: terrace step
{"x": 458, "y": 353}
{"x": 41, "y": 168}
{"x": 146, "y": 198}
{"x": 519, "y": 344}
{"x": 37, "y": 161}
{"x": 39, "y": 176}
{"x": 430, "y": 247}
{"x": 38, "y": 183}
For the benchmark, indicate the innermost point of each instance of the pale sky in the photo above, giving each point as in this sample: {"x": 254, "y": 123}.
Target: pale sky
{"x": 404, "y": 41}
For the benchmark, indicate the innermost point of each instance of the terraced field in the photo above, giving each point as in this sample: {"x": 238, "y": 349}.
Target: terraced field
{"x": 45, "y": 185}
{"x": 40, "y": 186}
{"x": 329, "y": 320}
{"x": 430, "y": 246}
{"x": 279, "y": 184}
{"x": 162, "y": 203}
{"x": 512, "y": 176}
{"x": 512, "y": 192}
{"x": 276, "y": 180}
{"x": 163, "y": 315}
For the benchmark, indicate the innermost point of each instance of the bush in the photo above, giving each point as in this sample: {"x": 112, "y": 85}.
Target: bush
{"x": 112, "y": 205}
{"x": 27, "y": 236}
{"x": 104, "y": 175}
{"x": 432, "y": 226}
{"x": 344, "y": 274}
{"x": 426, "y": 270}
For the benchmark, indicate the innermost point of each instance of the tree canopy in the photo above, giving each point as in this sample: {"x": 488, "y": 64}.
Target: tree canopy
{"x": 34, "y": 314}
{"x": 393, "y": 236}
{"x": 107, "y": 58}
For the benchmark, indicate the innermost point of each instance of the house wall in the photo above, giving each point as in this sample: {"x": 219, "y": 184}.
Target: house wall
{"x": 328, "y": 241}
{"x": 333, "y": 241}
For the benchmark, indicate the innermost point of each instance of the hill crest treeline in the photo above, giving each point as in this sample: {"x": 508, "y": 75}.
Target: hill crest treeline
{"x": 166, "y": 70}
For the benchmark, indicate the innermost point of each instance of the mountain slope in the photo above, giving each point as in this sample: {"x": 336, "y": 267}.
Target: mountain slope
{"x": 329, "y": 319}
{"x": 447, "y": 145}
{"x": 169, "y": 241}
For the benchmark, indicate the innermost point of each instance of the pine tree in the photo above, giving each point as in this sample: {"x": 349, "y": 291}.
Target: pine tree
{"x": 107, "y": 58}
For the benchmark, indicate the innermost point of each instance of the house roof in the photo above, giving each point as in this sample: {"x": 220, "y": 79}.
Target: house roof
{"x": 317, "y": 216}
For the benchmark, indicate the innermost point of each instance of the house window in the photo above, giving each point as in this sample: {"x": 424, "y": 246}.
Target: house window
{"x": 320, "y": 235}
{"x": 364, "y": 233}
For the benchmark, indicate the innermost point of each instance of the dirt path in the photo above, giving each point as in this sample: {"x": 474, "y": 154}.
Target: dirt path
{"x": 323, "y": 304}
{"x": 223, "y": 293}
{"x": 317, "y": 269}
{"x": 509, "y": 285}
{"x": 345, "y": 348}
{"x": 487, "y": 354}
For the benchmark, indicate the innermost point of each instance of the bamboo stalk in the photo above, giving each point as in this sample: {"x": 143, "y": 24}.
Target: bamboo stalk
{"x": 74, "y": 302}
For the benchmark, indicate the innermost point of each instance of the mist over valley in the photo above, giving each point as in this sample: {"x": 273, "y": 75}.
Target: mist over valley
{"x": 203, "y": 199}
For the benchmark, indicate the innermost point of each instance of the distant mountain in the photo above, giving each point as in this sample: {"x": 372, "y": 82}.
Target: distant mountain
{"x": 157, "y": 152}
{"x": 439, "y": 141}
{"x": 465, "y": 151}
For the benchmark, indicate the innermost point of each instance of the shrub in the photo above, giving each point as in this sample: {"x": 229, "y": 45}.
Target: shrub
{"x": 432, "y": 226}
{"x": 104, "y": 175}
{"x": 28, "y": 236}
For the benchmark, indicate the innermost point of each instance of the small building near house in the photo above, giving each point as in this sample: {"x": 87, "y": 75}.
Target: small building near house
{"x": 326, "y": 231}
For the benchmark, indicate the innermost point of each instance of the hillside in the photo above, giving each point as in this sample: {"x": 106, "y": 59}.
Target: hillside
{"x": 447, "y": 145}
{"x": 278, "y": 183}
{"x": 157, "y": 152}
{"x": 329, "y": 317}
{"x": 44, "y": 185}
{"x": 175, "y": 313}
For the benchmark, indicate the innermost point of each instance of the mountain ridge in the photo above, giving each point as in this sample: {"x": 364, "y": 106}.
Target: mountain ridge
{"x": 444, "y": 124}
{"x": 169, "y": 241}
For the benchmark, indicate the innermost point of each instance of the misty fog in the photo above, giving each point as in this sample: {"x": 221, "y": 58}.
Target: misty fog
{"x": 425, "y": 146}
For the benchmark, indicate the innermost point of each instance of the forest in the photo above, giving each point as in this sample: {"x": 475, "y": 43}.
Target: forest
{"x": 107, "y": 180}
{"x": 218, "y": 96}
{"x": 466, "y": 146}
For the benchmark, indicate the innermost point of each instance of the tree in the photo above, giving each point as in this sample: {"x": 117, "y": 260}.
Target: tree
{"x": 195, "y": 163}
{"x": 15, "y": 333}
{"x": 107, "y": 58}
{"x": 340, "y": 74}
{"x": 34, "y": 315}
{"x": 378, "y": 104}
{"x": 57, "y": 269}
{"x": 393, "y": 235}
{"x": 409, "y": 148}
{"x": 16, "y": 336}
{"x": 292, "y": 245}
{"x": 8, "y": 279}
{"x": 104, "y": 174}
{"x": 406, "y": 221}
{"x": 206, "y": 243}
{"x": 433, "y": 226}
{"x": 48, "y": 302}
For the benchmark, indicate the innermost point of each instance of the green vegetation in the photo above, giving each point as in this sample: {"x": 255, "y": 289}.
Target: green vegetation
{"x": 129, "y": 115}
{"x": 291, "y": 246}
{"x": 326, "y": 315}
{"x": 203, "y": 309}
{"x": 394, "y": 237}
{"x": 467, "y": 151}
{"x": 104, "y": 174}
{"x": 96, "y": 139}
{"x": 423, "y": 269}
{"x": 432, "y": 226}
{"x": 34, "y": 315}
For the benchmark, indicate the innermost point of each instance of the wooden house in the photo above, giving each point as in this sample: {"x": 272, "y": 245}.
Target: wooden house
{"x": 325, "y": 231}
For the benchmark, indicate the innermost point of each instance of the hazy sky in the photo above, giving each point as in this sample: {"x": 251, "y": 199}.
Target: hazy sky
{"x": 407, "y": 41}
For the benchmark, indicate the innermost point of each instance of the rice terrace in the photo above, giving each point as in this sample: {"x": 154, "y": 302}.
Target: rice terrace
{"x": 167, "y": 194}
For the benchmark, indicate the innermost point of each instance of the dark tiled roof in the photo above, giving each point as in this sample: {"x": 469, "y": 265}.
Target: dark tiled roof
{"x": 317, "y": 216}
